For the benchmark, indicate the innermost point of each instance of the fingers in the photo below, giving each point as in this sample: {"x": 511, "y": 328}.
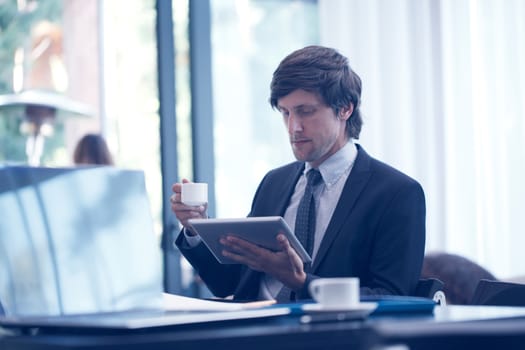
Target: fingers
{"x": 243, "y": 259}
{"x": 283, "y": 264}
{"x": 293, "y": 258}
{"x": 283, "y": 242}
{"x": 244, "y": 252}
{"x": 285, "y": 246}
{"x": 176, "y": 187}
{"x": 184, "y": 212}
{"x": 240, "y": 246}
{"x": 175, "y": 198}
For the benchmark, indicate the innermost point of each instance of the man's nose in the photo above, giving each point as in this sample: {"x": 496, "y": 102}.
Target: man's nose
{"x": 294, "y": 124}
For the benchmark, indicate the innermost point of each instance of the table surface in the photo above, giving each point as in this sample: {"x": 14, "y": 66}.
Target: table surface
{"x": 450, "y": 327}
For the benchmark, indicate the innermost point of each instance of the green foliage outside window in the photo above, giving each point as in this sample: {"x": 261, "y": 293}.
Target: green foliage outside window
{"x": 15, "y": 32}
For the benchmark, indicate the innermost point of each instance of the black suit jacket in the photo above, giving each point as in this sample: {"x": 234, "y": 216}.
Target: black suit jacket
{"x": 377, "y": 233}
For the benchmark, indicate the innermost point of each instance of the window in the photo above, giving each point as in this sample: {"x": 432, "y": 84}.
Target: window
{"x": 249, "y": 39}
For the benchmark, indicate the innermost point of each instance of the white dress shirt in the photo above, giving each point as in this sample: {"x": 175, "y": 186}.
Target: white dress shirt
{"x": 335, "y": 171}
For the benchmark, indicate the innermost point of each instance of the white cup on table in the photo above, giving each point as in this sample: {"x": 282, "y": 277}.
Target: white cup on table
{"x": 339, "y": 292}
{"x": 194, "y": 193}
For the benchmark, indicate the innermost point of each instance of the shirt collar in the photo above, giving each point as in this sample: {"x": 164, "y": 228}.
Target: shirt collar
{"x": 337, "y": 164}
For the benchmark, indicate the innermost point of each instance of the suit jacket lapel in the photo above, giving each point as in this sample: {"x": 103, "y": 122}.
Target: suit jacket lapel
{"x": 355, "y": 183}
{"x": 288, "y": 187}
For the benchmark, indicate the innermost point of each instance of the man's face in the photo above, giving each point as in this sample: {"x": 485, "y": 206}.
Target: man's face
{"x": 315, "y": 131}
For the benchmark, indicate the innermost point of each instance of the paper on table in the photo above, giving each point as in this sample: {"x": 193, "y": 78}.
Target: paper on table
{"x": 173, "y": 302}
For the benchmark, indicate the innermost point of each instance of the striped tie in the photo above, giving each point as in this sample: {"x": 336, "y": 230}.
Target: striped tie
{"x": 305, "y": 219}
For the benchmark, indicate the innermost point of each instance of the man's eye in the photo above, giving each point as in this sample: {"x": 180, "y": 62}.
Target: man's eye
{"x": 306, "y": 111}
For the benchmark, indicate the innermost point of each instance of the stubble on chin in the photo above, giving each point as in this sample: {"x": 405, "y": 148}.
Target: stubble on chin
{"x": 297, "y": 153}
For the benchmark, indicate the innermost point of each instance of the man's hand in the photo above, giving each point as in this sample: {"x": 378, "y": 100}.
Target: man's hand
{"x": 285, "y": 264}
{"x": 185, "y": 212}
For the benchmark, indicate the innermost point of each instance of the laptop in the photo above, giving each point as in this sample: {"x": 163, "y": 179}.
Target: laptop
{"x": 78, "y": 249}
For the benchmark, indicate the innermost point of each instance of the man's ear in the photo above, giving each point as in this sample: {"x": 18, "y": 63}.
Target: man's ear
{"x": 346, "y": 112}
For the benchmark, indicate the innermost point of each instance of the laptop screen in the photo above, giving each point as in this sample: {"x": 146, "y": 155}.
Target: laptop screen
{"x": 76, "y": 240}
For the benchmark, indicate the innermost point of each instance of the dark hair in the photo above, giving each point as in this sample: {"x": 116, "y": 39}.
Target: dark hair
{"x": 92, "y": 149}
{"x": 325, "y": 72}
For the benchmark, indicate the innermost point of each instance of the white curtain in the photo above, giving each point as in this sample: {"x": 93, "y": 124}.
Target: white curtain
{"x": 444, "y": 101}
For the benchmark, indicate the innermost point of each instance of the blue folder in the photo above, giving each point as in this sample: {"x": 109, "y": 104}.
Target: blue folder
{"x": 394, "y": 304}
{"x": 386, "y": 305}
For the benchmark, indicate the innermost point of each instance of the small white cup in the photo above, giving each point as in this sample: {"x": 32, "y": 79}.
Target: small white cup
{"x": 194, "y": 193}
{"x": 335, "y": 292}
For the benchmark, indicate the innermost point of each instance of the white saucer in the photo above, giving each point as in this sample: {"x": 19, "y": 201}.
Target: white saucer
{"x": 365, "y": 308}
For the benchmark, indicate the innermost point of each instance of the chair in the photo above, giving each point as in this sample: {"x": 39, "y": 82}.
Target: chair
{"x": 491, "y": 292}
{"x": 459, "y": 275}
{"x": 431, "y": 288}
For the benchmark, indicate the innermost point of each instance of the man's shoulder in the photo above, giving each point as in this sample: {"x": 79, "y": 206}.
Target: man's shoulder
{"x": 382, "y": 169}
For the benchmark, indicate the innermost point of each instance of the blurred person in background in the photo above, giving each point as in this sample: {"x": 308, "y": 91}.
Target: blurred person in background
{"x": 92, "y": 149}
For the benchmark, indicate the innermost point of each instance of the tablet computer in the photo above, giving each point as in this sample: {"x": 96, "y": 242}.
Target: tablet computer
{"x": 258, "y": 230}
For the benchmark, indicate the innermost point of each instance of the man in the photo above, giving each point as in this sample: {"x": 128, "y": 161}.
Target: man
{"x": 368, "y": 220}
